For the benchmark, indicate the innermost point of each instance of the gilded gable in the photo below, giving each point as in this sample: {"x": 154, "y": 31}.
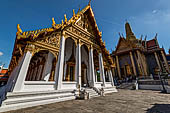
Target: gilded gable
{"x": 85, "y": 23}
{"x": 123, "y": 45}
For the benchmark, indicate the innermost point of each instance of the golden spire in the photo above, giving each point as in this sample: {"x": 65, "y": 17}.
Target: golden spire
{"x": 89, "y": 2}
{"x": 65, "y": 18}
{"x": 74, "y": 13}
{"x": 18, "y": 29}
{"x": 129, "y": 34}
{"x": 53, "y": 22}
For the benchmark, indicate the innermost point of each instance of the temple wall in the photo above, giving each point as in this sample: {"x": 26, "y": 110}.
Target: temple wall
{"x": 152, "y": 64}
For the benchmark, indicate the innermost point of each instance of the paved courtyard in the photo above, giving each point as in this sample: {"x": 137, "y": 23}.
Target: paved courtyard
{"x": 125, "y": 101}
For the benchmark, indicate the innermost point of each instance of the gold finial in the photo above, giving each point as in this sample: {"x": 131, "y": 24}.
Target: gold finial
{"x": 53, "y": 22}
{"x": 65, "y": 18}
{"x": 62, "y": 22}
{"x": 79, "y": 9}
{"x": 74, "y": 13}
{"x": 89, "y": 2}
{"x": 18, "y": 29}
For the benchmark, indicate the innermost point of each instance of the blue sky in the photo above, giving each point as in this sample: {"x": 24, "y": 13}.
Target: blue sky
{"x": 147, "y": 17}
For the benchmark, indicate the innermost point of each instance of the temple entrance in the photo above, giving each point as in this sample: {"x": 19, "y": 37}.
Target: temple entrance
{"x": 85, "y": 75}
{"x": 96, "y": 66}
{"x": 69, "y": 61}
{"x": 42, "y": 67}
{"x": 84, "y": 79}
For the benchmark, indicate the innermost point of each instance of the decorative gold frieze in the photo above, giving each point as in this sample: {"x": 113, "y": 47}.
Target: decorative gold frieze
{"x": 52, "y": 40}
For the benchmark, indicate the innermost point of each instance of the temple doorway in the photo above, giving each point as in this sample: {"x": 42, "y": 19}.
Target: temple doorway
{"x": 69, "y": 61}
{"x": 85, "y": 75}
{"x": 96, "y": 66}
{"x": 42, "y": 67}
{"x": 84, "y": 79}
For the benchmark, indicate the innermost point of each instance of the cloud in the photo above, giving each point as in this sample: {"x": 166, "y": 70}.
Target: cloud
{"x": 1, "y": 53}
{"x": 154, "y": 11}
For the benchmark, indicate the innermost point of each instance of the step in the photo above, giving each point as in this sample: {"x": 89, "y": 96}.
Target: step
{"x": 23, "y": 94}
{"x": 28, "y": 99}
{"x": 32, "y": 104}
{"x": 92, "y": 93}
{"x": 109, "y": 90}
{"x": 35, "y": 98}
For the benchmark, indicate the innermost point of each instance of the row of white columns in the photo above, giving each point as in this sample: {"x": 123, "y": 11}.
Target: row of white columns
{"x": 19, "y": 83}
{"x": 60, "y": 65}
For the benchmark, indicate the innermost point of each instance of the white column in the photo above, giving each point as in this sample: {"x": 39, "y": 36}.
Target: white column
{"x": 111, "y": 77}
{"x": 78, "y": 64}
{"x": 65, "y": 70}
{"x": 101, "y": 68}
{"x": 60, "y": 64}
{"x": 165, "y": 61}
{"x": 19, "y": 84}
{"x": 91, "y": 63}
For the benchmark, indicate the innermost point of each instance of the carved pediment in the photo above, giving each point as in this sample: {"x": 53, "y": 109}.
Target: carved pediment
{"x": 123, "y": 45}
{"x": 53, "y": 40}
{"x": 85, "y": 23}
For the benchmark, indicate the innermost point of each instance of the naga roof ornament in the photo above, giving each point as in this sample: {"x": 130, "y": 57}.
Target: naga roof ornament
{"x": 65, "y": 18}
{"x": 53, "y": 22}
{"x": 19, "y": 31}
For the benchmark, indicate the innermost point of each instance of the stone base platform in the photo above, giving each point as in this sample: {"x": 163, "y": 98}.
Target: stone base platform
{"x": 20, "y": 100}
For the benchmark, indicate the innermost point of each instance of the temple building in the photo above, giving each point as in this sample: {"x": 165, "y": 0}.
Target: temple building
{"x": 137, "y": 57}
{"x": 3, "y": 75}
{"x": 168, "y": 57}
{"x": 66, "y": 57}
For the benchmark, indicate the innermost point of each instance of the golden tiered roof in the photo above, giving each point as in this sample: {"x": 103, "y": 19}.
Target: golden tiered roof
{"x": 55, "y": 26}
{"x": 36, "y": 33}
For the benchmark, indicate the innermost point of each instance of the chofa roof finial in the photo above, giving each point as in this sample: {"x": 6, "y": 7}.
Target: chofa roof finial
{"x": 18, "y": 29}
{"x": 53, "y": 22}
{"x": 156, "y": 35}
{"x": 74, "y": 13}
{"x": 65, "y": 18}
{"x": 89, "y": 2}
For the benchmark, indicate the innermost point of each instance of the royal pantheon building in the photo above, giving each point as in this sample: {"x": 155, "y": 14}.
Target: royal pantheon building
{"x": 53, "y": 63}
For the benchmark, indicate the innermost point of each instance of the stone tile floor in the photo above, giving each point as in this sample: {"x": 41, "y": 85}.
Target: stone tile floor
{"x": 125, "y": 101}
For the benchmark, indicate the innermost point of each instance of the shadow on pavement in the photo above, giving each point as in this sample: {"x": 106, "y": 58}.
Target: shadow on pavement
{"x": 159, "y": 108}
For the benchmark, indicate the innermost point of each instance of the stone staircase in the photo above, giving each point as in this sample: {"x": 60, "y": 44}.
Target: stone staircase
{"x": 92, "y": 92}
{"x": 126, "y": 85}
{"x": 109, "y": 89}
{"x": 18, "y": 100}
